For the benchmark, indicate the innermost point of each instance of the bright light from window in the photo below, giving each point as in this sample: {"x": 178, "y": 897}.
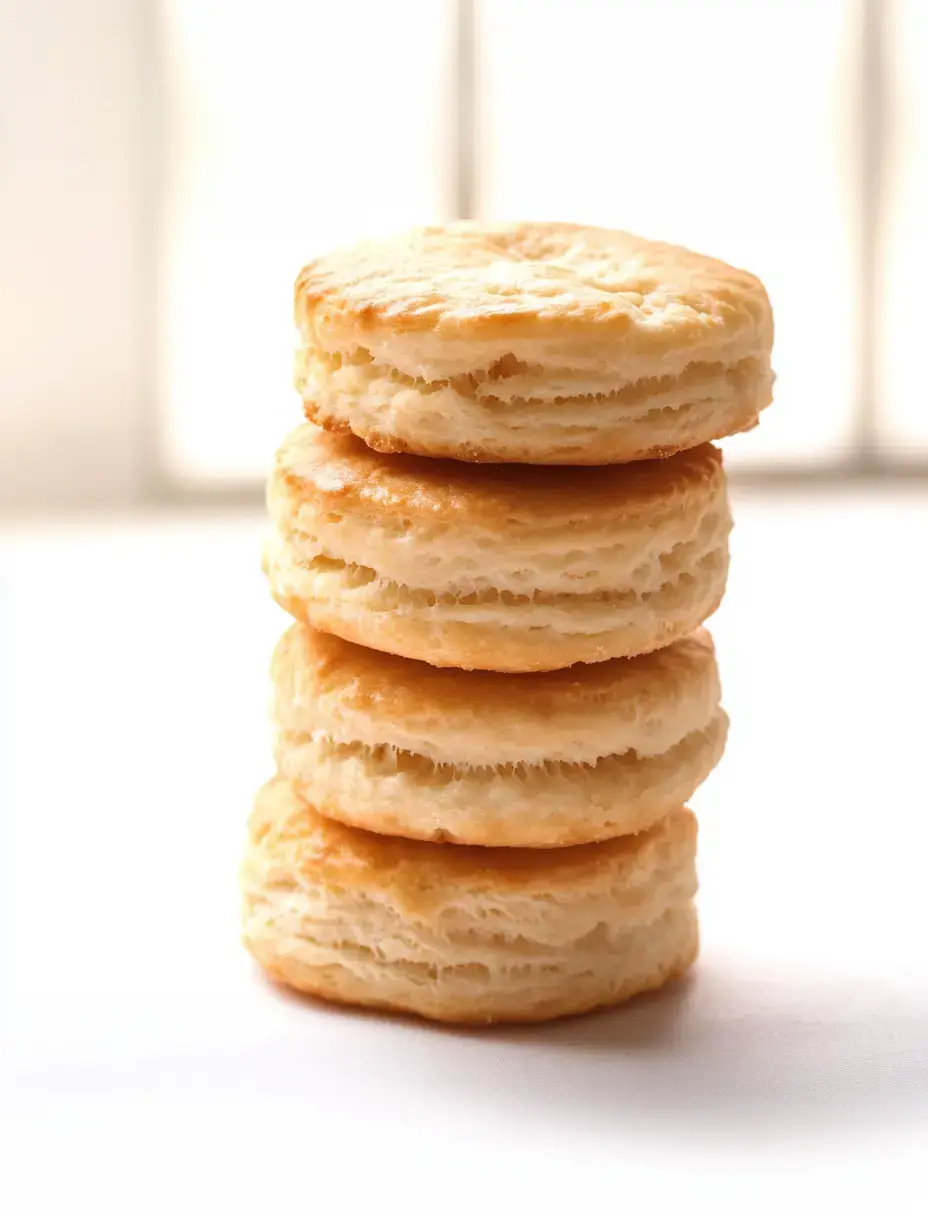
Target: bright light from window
{"x": 723, "y": 125}
{"x": 905, "y": 311}
{"x": 290, "y": 127}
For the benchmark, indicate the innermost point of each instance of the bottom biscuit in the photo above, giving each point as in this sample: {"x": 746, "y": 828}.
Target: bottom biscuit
{"x": 464, "y": 934}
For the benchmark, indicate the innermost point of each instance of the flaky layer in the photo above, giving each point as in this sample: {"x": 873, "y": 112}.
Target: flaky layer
{"x": 463, "y": 934}
{"x": 584, "y": 425}
{"x": 631, "y": 962}
{"x": 546, "y": 759}
{"x": 548, "y": 804}
{"x": 491, "y": 632}
{"x": 531, "y": 342}
{"x": 510, "y": 569}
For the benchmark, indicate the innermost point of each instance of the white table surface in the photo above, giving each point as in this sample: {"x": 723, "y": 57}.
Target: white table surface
{"x": 149, "y": 1077}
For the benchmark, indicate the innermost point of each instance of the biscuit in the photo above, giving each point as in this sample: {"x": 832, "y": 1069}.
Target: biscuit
{"x": 531, "y": 342}
{"x": 538, "y": 760}
{"x": 464, "y": 934}
{"x": 508, "y": 568}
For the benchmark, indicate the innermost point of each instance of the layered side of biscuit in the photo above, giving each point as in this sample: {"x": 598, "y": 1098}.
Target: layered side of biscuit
{"x": 499, "y": 535}
{"x": 460, "y": 934}
{"x": 549, "y": 344}
{"x": 515, "y": 408}
{"x": 500, "y": 568}
{"x": 539, "y": 760}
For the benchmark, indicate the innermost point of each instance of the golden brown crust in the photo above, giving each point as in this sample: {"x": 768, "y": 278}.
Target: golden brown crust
{"x": 422, "y": 876}
{"x": 462, "y": 934}
{"x": 467, "y": 280}
{"x": 581, "y": 712}
{"x": 340, "y": 475}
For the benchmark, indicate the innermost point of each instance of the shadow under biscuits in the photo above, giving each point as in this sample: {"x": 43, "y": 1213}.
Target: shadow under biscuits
{"x": 717, "y": 1049}
{"x": 719, "y": 1052}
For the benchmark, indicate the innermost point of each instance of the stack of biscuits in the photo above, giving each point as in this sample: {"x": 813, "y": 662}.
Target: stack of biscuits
{"x": 499, "y": 534}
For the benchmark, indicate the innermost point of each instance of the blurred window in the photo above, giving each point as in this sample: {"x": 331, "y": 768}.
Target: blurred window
{"x": 75, "y": 249}
{"x": 721, "y": 125}
{"x": 902, "y": 242}
{"x": 289, "y": 127}
{"x": 726, "y": 126}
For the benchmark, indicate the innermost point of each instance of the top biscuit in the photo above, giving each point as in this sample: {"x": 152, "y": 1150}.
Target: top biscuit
{"x": 531, "y": 342}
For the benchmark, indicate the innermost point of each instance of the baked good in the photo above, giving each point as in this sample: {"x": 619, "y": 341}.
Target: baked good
{"x": 509, "y": 568}
{"x": 461, "y": 933}
{"x": 531, "y": 342}
{"x": 538, "y": 760}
